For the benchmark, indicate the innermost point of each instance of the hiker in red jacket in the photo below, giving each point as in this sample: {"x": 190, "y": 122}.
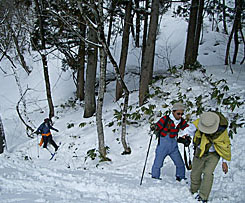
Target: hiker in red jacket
{"x": 168, "y": 128}
{"x": 44, "y": 130}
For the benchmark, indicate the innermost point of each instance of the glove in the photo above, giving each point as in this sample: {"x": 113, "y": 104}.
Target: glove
{"x": 225, "y": 167}
{"x": 56, "y": 130}
{"x": 184, "y": 140}
{"x": 153, "y": 127}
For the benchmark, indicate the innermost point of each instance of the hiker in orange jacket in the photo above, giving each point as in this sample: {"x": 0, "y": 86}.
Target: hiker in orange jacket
{"x": 44, "y": 130}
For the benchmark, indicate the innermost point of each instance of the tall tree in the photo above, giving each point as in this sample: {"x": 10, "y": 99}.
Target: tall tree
{"x": 137, "y": 30}
{"x": 234, "y": 32}
{"x": 90, "y": 105}
{"x": 40, "y": 12}
{"x": 145, "y": 28}
{"x": 124, "y": 49}
{"x": 81, "y": 61}
{"x": 99, "y": 26}
{"x": 67, "y": 34}
{"x": 148, "y": 57}
{"x": 111, "y": 12}
{"x": 224, "y": 17}
{"x": 193, "y": 34}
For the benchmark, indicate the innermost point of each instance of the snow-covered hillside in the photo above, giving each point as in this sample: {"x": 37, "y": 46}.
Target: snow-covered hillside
{"x": 27, "y": 175}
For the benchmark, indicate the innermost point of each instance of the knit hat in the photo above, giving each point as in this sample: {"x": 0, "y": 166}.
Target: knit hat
{"x": 209, "y": 122}
{"x": 178, "y": 106}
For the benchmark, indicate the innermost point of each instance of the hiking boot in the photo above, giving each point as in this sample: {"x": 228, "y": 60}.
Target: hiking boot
{"x": 199, "y": 199}
{"x": 179, "y": 179}
{"x": 157, "y": 178}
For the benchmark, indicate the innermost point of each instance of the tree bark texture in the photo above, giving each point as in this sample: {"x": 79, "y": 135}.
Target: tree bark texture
{"x": 2, "y": 137}
{"x": 113, "y": 6}
{"x": 47, "y": 84}
{"x": 191, "y": 33}
{"x": 237, "y": 24}
{"x": 145, "y": 29}
{"x": 90, "y": 104}
{"x": 124, "y": 50}
{"x": 100, "y": 100}
{"x": 137, "y": 36}
{"x": 148, "y": 57}
{"x": 234, "y": 31}
{"x": 81, "y": 64}
{"x": 224, "y": 18}
{"x": 198, "y": 29}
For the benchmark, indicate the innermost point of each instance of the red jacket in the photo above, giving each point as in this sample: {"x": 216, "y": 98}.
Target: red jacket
{"x": 170, "y": 127}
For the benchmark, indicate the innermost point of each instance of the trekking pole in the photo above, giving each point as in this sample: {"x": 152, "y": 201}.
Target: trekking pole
{"x": 37, "y": 147}
{"x": 146, "y": 159}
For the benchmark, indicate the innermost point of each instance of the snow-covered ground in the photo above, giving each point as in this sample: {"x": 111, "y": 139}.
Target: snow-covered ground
{"x": 27, "y": 175}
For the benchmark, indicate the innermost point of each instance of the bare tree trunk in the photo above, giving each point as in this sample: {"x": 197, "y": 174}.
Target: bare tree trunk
{"x": 243, "y": 39}
{"x": 101, "y": 37}
{"x": 227, "y": 53}
{"x": 224, "y": 18}
{"x": 237, "y": 24}
{"x": 113, "y": 6}
{"x": 100, "y": 100}
{"x": 90, "y": 105}
{"x": 198, "y": 30}
{"x": 103, "y": 63}
{"x": 234, "y": 31}
{"x": 81, "y": 64}
{"x": 124, "y": 50}
{"x": 98, "y": 12}
{"x": 44, "y": 60}
{"x": 47, "y": 84}
{"x": 137, "y": 37}
{"x": 148, "y": 57}
{"x": 191, "y": 34}
{"x": 97, "y": 15}
{"x": 2, "y": 137}
{"x": 145, "y": 29}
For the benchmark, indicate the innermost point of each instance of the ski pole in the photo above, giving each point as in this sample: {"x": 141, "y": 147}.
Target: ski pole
{"x": 146, "y": 160}
{"x": 37, "y": 147}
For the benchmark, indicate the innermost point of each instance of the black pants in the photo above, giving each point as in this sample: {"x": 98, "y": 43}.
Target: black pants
{"x": 49, "y": 139}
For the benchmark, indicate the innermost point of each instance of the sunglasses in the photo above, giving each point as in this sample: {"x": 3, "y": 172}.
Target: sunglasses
{"x": 180, "y": 114}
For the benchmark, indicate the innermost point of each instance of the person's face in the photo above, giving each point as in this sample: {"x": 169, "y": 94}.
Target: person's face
{"x": 178, "y": 114}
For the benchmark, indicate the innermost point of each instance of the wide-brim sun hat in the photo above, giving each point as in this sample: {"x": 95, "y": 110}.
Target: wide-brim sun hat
{"x": 178, "y": 106}
{"x": 209, "y": 122}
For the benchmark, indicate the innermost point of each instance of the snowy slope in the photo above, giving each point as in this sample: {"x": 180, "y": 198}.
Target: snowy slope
{"x": 27, "y": 175}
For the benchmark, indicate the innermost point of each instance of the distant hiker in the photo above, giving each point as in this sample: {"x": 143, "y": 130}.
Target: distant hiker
{"x": 168, "y": 127}
{"x": 211, "y": 141}
{"x": 44, "y": 130}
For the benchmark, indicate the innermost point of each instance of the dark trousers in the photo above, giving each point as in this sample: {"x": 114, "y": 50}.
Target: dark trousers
{"x": 49, "y": 139}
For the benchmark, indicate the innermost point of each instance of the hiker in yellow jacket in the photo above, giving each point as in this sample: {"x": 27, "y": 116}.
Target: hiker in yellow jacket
{"x": 211, "y": 141}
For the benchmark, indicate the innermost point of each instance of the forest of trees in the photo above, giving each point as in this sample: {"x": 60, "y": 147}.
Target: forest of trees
{"x": 82, "y": 31}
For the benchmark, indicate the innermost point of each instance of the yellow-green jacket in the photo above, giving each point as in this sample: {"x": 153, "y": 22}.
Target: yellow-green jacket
{"x": 220, "y": 139}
